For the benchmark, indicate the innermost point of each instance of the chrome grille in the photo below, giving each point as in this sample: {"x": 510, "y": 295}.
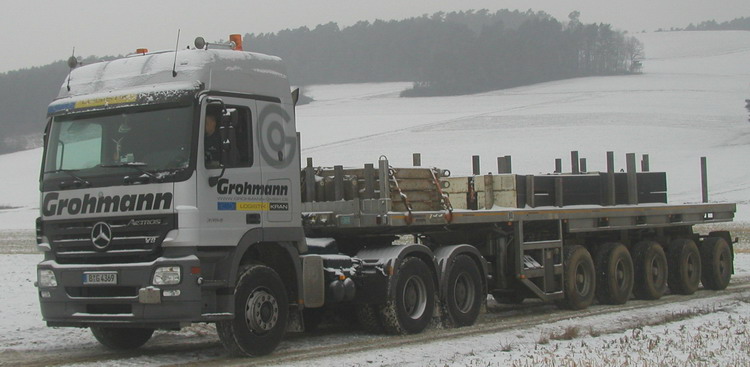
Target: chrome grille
{"x": 133, "y": 239}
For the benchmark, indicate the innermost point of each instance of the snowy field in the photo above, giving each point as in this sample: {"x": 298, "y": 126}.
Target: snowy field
{"x": 689, "y": 103}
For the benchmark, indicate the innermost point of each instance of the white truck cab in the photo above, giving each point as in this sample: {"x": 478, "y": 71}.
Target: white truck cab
{"x": 142, "y": 209}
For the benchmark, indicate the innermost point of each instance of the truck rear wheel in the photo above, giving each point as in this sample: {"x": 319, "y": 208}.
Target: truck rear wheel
{"x": 614, "y": 274}
{"x": 121, "y": 338}
{"x": 463, "y": 296}
{"x": 411, "y": 298}
{"x": 650, "y": 270}
{"x": 716, "y": 258}
{"x": 684, "y": 266}
{"x": 579, "y": 281}
{"x": 260, "y": 313}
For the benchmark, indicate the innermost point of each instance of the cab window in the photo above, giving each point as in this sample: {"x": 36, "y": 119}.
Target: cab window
{"x": 234, "y": 125}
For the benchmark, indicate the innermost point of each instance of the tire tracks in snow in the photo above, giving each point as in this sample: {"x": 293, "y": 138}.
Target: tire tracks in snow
{"x": 296, "y": 348}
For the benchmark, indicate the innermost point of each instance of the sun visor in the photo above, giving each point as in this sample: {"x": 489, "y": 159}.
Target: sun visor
{"x": 167, "y": 93}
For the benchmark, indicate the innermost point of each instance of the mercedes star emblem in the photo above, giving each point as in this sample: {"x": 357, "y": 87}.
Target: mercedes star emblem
{"x": 101, "y": 235}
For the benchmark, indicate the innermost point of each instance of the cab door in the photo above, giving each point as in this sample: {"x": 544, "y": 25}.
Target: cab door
{"x": 278, "y": 150}
{"x": 230, "y": 191}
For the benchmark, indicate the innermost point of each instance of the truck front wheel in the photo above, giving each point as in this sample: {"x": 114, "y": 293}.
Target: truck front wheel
{"x": 121, "y": 338}
{"x": 260, "y": 313}
{"x": 411, "y": 298}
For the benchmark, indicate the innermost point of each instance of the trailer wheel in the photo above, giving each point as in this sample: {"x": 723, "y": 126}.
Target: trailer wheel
{"x": 463, "y": 296}
{"x": 260, "y": 316}
{"x": 650, "y": 270}
{"x": 411, "y": 298}
{"x": 579, "y": 281}
{"x": 716, "y": 259}
{"x": 368, "y": 317}
{"x": 684, "y": 266}
{"x": 614, "y": 274}
{"x": 121, "y": 338}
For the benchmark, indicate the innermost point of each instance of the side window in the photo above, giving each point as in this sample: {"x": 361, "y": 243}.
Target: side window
{"x": 237, "y": 130}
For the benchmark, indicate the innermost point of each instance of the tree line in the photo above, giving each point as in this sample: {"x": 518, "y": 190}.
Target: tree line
{"x": 442, "y": 54}
{"x": 453, "y": 53}
{"x": 737, "y": 24}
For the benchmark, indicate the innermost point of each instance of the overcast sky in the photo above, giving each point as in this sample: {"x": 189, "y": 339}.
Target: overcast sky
{"x": 37, "y": 32}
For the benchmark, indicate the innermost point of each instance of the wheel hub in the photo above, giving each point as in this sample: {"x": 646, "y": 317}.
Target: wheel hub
{"x": 261, "y": 311}
{"x": 464, "y": 293}
{"x": 415, "y": 297}
{"x": 582, "y": 286}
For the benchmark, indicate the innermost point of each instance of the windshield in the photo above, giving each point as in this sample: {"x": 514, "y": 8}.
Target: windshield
{"x": 122, "y": 142}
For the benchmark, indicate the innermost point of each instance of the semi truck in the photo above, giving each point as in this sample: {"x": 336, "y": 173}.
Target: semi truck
{"x": 148, "y": 220}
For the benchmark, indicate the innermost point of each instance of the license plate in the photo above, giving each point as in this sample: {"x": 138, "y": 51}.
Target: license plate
{"x": 100, "y": 277}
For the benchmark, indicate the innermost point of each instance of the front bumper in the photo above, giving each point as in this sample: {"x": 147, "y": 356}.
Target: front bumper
{"x": 132, "y": 302}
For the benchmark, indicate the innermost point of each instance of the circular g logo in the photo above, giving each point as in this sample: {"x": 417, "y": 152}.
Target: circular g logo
{"x": 276, "y": 148}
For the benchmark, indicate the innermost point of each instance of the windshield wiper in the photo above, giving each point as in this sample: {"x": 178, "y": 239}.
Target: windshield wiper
{"x": 136, "y": 166}
{"x": 78, "y": 182}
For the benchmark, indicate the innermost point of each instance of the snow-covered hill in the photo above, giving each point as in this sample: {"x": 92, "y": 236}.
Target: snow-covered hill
{"x": 688, "y": 103}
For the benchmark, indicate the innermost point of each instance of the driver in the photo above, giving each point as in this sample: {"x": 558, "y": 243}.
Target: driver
{"x": 211, "y": 139}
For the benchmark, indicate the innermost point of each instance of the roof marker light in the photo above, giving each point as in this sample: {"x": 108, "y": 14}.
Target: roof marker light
{"x": 141, "y": 51}
{"x": 237, "y": 39}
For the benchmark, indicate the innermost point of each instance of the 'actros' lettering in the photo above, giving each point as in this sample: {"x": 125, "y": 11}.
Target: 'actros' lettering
{"x": 246, "y": 188}
{"x": 52, "y": 205}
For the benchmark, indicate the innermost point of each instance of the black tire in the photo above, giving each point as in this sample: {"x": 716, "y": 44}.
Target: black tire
{"x": 261, "y": 313}
{"x": 716, "y": 258}
{"x": 121, "y": 338}
{"x": 368, "y": 316}
{"x": 411, "y": 298}
{"x": 684, "y": 266}
{"x": 463, "y": 296}
{"x": 579, "y": 278}
{"x": 614, "y": 274}
{"x": 651, "y": 270}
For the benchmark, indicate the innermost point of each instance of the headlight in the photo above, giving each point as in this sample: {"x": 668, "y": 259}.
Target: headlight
{"x": 167, "y": 275}
{"x": 47, "y": 278}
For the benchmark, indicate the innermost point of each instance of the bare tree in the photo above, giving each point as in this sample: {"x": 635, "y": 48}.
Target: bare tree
{"x": 635, "y": 54}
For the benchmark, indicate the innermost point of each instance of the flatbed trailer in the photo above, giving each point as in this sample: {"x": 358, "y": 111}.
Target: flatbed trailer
{"x": 149, "y": 221}
{"x": 520, "y": 249}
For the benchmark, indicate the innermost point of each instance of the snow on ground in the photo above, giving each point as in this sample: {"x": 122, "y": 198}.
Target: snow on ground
{"x": 715, "y": 330}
